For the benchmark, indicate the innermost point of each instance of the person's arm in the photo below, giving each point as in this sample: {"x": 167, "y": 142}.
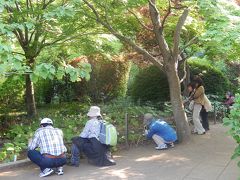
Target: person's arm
{"x": 191, "y": 95}
{"x": 151, "y": 132}
{"x": 199, "y": 92}
{"x": 86, "y": 129}
{"x": 34, "y": 143}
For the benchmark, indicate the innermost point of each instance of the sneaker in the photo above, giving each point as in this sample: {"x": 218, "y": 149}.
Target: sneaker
{"x": 59, "y": 171}
{"x": 161, "y": 147}
{"x": 109, "y": 155}
{"x": 194, "y": 132}
{"x": 171, "y": 145}
{"x": 202, "y": 133}
{"x": 46, "y": 172}
{"x": 110, "y": 162}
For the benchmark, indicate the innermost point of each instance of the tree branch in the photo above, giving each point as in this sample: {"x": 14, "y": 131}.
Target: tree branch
{"x": 18, "y": 7}
{"x": 19, "y": 73}
{"x": 18, "y": 38}
{"x": 176, "y": 37}
{"x": 30, "y": 4}
{"x": 167, "y": 14}
{"x": 30, "y": 39}
{"x": 158, "y": 29}
{"x": 26, "y": 34}
{"x": 46, "y": 4}
{"x": 192, "y": 41}
{"x": 140, "y": 22}
{"x": 18, "y": 53}
{"x": 185, "y": 72}
{"x": 184, "y": 57}
{"x": 122, "y": 38}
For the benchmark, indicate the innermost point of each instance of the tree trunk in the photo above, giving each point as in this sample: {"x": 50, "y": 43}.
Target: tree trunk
{"x": 30, "y": 100}
{"x": 186, "y": 81}
{"x": 180, "y": 117}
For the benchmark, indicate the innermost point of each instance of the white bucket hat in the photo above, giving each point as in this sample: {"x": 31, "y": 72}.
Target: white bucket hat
{"x": 94, "y": 111}
{"x": 46, "y": 121}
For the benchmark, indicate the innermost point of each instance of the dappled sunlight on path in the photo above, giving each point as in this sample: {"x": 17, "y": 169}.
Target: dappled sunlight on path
{"x": 206, "y": 157}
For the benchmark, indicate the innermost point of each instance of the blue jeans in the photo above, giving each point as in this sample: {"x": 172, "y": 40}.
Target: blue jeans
{"x": 44, "y": 162}
{"x": 75, "y": 159}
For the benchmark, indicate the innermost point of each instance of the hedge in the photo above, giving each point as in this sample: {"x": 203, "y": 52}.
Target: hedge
{"x": 215, "y": 82}
{"x": 151, "y": 85}
{"x": 108, "y": 81}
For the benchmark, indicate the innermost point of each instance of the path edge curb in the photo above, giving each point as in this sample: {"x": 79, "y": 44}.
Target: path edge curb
{"x": 16, "y": 164}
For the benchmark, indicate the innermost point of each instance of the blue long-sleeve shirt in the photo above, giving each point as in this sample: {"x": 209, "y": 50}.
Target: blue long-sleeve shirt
{"x": 162, "y": 129}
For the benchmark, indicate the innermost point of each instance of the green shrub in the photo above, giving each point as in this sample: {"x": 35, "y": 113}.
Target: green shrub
{"x": 8, "y": 152}
{"x": 44, "y": 91}
{"x": 11, "y": 94}
{"x": 109, "y": 80}
{"x": 234, "y": 123}
{"x": 214, "y": 80}
{"x": 134, "y": 71}
{"x": 150, "y": 85}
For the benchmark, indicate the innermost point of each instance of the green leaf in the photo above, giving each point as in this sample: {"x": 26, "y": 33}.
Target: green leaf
{"x": 60, "y": 73}
{"x": 10, "y": 149}
{"x": 226, "y": 123}
{"x": 87, "y": 77}
{"x": 73, "y": 76}
{"x": 52, "y": 70}
{"x": 234, "y": 156}
{"x": 34, "y": 77}
{"x": 17, "y": 65}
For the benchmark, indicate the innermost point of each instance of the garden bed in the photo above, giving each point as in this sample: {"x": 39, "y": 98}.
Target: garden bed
{"x": 71, "y": 118}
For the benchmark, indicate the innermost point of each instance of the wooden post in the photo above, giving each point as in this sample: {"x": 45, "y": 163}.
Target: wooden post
{"x": 215, "y": 114}
{"x": 126, "y": 130}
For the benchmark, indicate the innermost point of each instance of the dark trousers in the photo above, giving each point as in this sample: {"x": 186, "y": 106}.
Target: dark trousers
{"x": 45, "y": 162}
{"x": 92, "y": 148}
{"x": 204, "y": 116}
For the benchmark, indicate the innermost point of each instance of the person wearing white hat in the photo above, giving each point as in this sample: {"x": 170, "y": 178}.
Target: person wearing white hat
{"x": 88, "y": 142}
{"x": 52, "y": 148}
{"x": 160, "y": 131}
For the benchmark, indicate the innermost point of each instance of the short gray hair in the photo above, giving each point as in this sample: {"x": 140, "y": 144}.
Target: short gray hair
{"x": 147, "y": 117}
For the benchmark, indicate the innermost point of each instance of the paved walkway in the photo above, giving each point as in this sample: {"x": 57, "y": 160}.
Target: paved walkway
{"x": 206, "y": 157}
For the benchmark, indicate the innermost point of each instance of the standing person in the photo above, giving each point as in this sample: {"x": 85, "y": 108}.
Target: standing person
{"x": 161, "y": 132}
{"x": 52, "y": 149}
{"x": 199, "y": 101}
{"x": 191, "y": 90}
{"x": 204, "y": 117}
{"x": 88, "y": 142}
{"x": 229, "y": 101}
{"x": 204, "y": 110}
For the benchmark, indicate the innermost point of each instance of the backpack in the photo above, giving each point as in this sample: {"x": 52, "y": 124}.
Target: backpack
{"x": 108, "y": 134}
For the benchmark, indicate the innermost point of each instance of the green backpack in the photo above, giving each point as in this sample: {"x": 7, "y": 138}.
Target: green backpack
{"x": 108, "y": 134}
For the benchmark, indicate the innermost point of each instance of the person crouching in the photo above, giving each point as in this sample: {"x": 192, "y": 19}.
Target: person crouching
{"x": 88, "y": 142}
{"x": 160, "y": 131}
{"x": 52, "y": 148}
